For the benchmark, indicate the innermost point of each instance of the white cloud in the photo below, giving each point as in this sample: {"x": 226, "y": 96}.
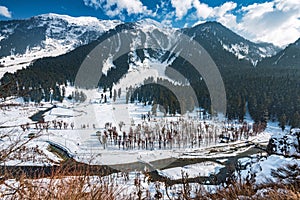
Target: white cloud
{"x": 221, "y": 13}
{"x": 224, "y": 9}
{"x": 287, "y": 5}
{"x": 113, "y": 8}
{"x": 167, "y": 18}
{"x": 5, "y": 12}
{"x": 202, "y": 10}
{"x": 257, "y": 10}
{"x": 277, "y": 22}
{"x": 228, "y": 20}
{"x": 181, "y": 7}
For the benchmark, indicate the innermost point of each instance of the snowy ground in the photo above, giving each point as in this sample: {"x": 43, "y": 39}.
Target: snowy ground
{"x": 27, "y": 151}
{"x": 84, "y": 145}
{"x": 193, "y": 171}
{"x": 263, "y": 167}
{"x": 126, "y": 185}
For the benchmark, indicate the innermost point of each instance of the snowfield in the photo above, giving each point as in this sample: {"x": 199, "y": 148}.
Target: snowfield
{"x": 263, "y": 167}
{"x": 192, "y": 171}
{"x": 84, "y": 141}
{"x": 63, "y": 34}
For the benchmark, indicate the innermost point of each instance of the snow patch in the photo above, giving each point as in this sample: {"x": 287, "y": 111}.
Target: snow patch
{"x": 193, "y": 171}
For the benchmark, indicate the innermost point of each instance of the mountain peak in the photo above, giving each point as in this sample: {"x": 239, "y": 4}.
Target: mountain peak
{"x": 149, "y": 21}
{"x": 297, "y": 43}
{"x": 150, "y": 24}
{"x": 209, "y": 24}
{"x": 213, "y": 34}
{"x": 82, "y": 20}
{"x": 23, "y": 41}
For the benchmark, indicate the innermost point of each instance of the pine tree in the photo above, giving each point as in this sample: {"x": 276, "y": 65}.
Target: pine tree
{"x": 63, "y": 91}
{"x": 282, "y": 122}
{"x": 119, "y": 93}
{"x": 57, "y": 94}
{"x": 82, "y": 97}
{"x": 115, "y": 95}
{"x": 105, "y": 99}
{"x": 76, "y": 96}
{"x": 127, "y": 97}
{"x": 110, "y": 93}
{"x": 295, "y": 122}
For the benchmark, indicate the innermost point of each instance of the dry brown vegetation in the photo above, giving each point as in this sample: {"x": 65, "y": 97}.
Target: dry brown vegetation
{"x": 245, "y": 191}
{"x": 286, "y": 187}
{"x": 58, "y": 186}
{"x": 65, "y": 182}
{"x": 71, "y": 183}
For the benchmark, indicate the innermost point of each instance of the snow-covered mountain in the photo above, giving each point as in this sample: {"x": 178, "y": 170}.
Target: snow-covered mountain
{"x": 288, "y": 57}
{"x": 216, "y": 36}
{"x": 48, "y": 35}
{"x": 227, "y": 49}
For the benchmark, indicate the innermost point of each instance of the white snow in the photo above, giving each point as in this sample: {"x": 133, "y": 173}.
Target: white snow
{"x": 83, "y": 143}
{"x": 278, "y": 59}
{"x": 192, "y": 171}
{"x": 264, "y": 167}
{"x": 91, "y": 22}
{"x": 148, "y": 25}
{"x": 124, "y": 185}
{"x": 58, "y": 41}
{"x": 244, "y": 51}
{"x": 108, "y": 65}
{"x": 286, "y": 143}
{"x": 84, "y": 146}
{"x": 239, "y": 50}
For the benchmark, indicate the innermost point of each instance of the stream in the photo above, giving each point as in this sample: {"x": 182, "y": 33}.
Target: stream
{"x": 38, "y": 117}
{"x": 72, "y": 167}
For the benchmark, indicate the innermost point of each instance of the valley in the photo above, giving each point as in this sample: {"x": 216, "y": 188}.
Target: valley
{"x": 144, "y": 110}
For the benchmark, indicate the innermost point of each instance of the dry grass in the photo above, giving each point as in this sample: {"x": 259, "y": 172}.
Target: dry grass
{"x": 248, "y": 192}
{"x": 272, "y": 191}
{"x": 68, "y": 181}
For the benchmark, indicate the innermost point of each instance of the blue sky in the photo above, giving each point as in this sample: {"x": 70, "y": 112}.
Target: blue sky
{"x": 28, "y": 8}
{"x": 276, "y": 21}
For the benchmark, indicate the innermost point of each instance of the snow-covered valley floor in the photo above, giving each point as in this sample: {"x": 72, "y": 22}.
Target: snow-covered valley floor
{"x": 84, "y": 141}
{"x": 91, "y": 133}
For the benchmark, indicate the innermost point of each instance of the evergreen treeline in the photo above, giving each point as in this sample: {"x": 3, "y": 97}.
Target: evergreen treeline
{"x": 266, "y": 92}
{"x": 45, "y": 74}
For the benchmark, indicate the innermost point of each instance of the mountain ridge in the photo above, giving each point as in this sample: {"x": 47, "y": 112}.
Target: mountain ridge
{"x": 48, "y": 35}
{"x": 288, "y": 57}
{"x": 22, "y": 41}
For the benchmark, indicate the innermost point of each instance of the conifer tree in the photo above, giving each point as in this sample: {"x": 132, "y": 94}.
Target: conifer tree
{"x": 282, "y": 121}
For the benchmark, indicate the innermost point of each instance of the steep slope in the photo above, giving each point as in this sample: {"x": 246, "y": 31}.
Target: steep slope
{"x": 215, "y": 38}
{"x": 148, "y": 33}
{"x": 287, "y": 58}
{"x": 22, "y": 41}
